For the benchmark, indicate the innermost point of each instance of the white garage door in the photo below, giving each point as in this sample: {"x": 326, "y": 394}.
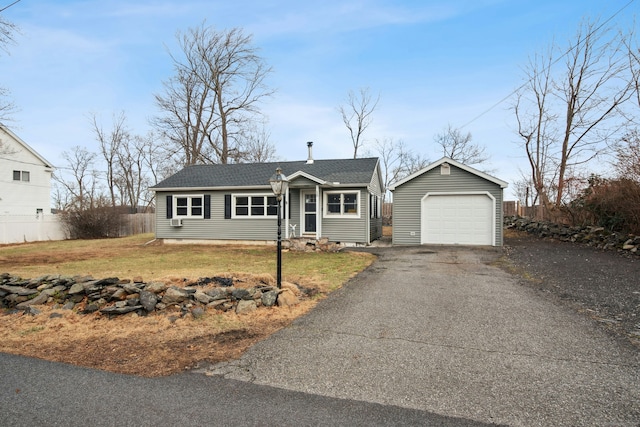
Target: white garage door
{"x": 464, "y": 219}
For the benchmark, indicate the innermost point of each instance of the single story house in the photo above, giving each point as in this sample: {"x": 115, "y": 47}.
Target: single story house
{"x": 335, "y": 199}
{"x": 448, "y": 203}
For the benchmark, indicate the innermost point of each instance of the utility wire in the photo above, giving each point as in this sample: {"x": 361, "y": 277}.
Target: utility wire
{"x": 7, "y": 7}
{"x": 513, "y": 92}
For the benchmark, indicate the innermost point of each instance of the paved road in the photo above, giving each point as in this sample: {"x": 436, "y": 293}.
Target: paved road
{"x": 423, "y": 337}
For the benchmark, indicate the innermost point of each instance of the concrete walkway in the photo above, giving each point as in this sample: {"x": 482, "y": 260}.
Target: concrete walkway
{"x": 439, "y": 330}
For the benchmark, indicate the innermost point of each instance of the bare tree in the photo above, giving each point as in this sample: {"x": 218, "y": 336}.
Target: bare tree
{"x": 255, "y": 146}
{"x": 628, "y": 156}
{"x": 533, "y": 111}
{"x": 81, "y": 186}
{"x": 187, "y": 118}
{"x": 132, "y": 163}
{"x": 158, "y": 159}
{"x": 592, "y": 91}
{"x": 522, "y": 189}
{"x": 214, "y": 95}
{"x": 396, "y": 161}
{"x": 458, "y": 146}
{"x": 566, "y": 118}
{"x": 110, "y": 148}
{"x": 356, "y": 115}
{"x": 133, "y": 174}
{"x": 633, "y": 53}
{"x": 7, "y": 31}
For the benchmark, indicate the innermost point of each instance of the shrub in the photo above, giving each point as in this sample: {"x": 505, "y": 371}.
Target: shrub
{"x": 613, "y": 204}
{"x": 91, "y": 223}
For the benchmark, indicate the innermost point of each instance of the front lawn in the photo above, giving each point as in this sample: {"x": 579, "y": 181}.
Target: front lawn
{"x": 160, "y": 343}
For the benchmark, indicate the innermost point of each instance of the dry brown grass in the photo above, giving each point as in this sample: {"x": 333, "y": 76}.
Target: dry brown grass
{"x": 161, "y": 343}
{"x": 149, "y": 346}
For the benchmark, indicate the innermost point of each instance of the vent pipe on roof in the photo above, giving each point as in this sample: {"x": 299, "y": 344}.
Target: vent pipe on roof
{"x": 310, "y": 147}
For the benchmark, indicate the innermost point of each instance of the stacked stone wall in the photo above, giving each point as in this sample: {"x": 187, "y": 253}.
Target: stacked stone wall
{"x": 113, "y": 296}
{"x": 593, "y": 236}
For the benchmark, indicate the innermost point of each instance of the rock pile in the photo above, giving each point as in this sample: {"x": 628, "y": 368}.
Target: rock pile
{"x": 303, "y": 244}
{"x": 589, "y": 235}
{"x": 113, "y": 296}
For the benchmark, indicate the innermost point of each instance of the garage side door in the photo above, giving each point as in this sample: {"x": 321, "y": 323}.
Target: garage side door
{"x": 463, "y": 219}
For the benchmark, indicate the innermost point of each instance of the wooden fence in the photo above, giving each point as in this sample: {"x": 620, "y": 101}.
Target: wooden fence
{"x": 387, "y": 213}
{"x": 514, "y": 208}
{"x": 139, "y": 223}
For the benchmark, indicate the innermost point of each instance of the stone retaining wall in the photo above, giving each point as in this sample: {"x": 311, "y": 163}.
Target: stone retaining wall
{"x": 589, "y": 235}
{"x": 113, "y": 296}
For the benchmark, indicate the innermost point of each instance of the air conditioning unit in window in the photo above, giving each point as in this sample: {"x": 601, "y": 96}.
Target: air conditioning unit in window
{"x": 176, "y": 222}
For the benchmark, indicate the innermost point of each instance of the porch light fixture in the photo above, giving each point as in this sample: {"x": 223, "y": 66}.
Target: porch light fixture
{"x": 279, "y": 185}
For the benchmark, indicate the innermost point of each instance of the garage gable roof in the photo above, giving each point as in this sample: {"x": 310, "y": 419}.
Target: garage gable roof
{"x": 501, "y": 183}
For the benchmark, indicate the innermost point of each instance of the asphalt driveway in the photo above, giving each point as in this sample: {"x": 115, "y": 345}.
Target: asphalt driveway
{"x": 443, "y": 331}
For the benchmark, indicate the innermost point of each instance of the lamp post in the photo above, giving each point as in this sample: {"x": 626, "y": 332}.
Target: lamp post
{"x": 279, "y": 185}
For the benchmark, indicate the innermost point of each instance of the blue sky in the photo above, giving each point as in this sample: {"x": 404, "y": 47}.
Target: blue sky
{"x": 432, "y": 62}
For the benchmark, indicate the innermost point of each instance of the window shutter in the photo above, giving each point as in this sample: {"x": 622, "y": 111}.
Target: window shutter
{"x": 207, "y": 206}
{"x": 227, "y": 206}
{"x": 169, "y": 207}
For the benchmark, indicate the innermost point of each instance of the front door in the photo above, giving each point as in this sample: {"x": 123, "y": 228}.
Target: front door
{"x": 309, "y": 204}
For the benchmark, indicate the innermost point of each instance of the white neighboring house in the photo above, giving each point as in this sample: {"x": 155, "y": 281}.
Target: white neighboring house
{"x": 25, "y": 193}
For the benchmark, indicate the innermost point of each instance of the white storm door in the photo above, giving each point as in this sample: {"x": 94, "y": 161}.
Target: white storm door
{"x": 309, "y": 212}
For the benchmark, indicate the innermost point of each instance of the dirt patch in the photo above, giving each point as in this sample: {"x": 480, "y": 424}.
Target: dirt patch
{"x": 602, "y": 284}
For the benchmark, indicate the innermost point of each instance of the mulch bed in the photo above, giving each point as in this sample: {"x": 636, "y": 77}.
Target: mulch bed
{"x": 602, "y": 284}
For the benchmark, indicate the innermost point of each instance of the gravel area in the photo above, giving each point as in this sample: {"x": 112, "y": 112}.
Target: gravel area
{"x": 602, "y": 284}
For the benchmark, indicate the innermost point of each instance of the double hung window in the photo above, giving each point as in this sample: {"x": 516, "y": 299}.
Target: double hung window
{"x": 188, "y": 206}
{"x": 342, "y": 203}
{"x": 255, "y": 206}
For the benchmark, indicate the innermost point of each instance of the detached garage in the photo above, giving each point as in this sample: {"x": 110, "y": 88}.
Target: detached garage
{"x": 448, "y": 203}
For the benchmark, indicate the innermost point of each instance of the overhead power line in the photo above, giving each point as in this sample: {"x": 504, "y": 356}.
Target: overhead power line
{"x": 7, "y": 7}
{"x": 571, "y": 48}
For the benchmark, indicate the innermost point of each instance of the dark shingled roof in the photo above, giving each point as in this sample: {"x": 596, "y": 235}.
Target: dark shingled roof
{"x": 343, "y": 171}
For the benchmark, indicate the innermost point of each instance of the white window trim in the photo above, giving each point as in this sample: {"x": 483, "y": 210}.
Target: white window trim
{"x": 249, "y": 216}
{"x": 342, "y": 214}
{"x": 189, "y": 205}
{"x": 22, "y": 175}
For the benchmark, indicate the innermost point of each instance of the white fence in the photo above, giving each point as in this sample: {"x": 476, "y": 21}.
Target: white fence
{"x": 28, "y": 228}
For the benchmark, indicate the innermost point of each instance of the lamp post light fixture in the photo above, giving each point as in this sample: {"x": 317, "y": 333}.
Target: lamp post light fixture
{"x": 279, "y": 185}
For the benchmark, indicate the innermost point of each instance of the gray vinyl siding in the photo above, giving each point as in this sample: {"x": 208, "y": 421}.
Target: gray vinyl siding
{"x": 407, "y": 199}
{"x": 347, "y": 230}
{"x": 294, "y": 209}
{"x": 375, "y": 224}
{"x": 375, "y": 228}
{"x": 217, "y": 227}
{"x": 301, "y": 181}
